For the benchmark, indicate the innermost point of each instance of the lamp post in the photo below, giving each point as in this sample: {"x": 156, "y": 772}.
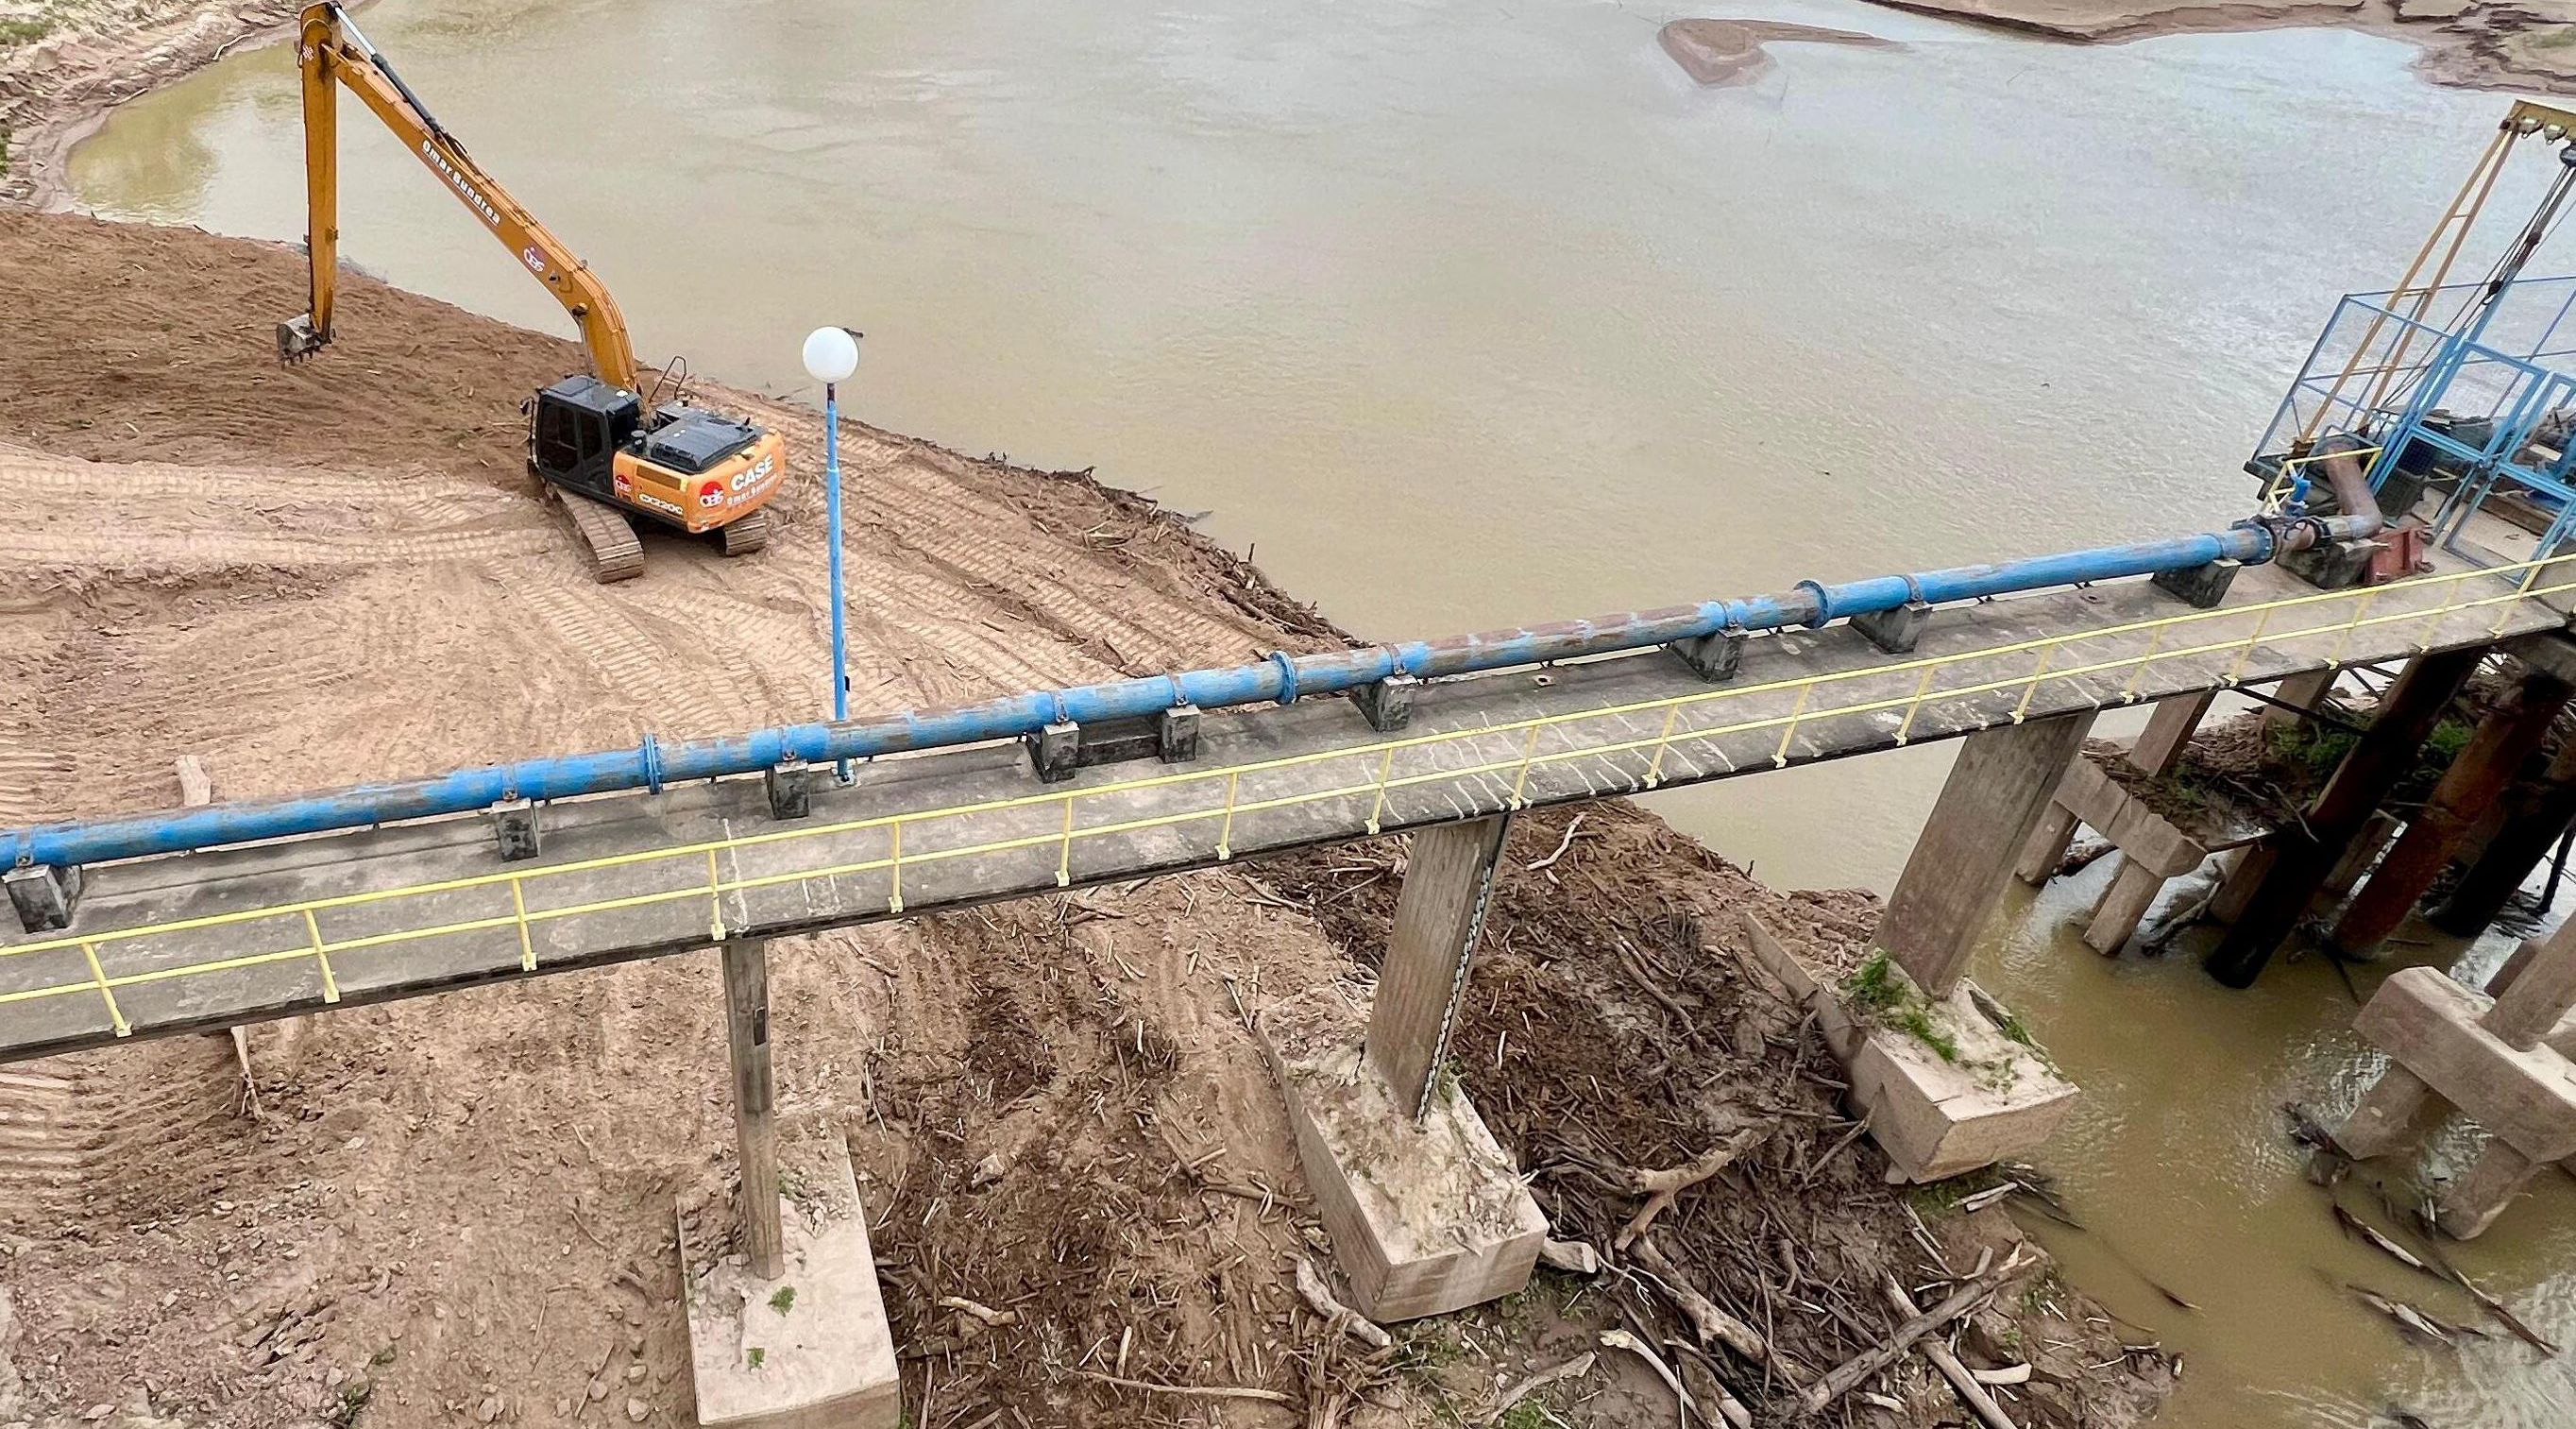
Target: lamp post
{"x": 831, "y": 355}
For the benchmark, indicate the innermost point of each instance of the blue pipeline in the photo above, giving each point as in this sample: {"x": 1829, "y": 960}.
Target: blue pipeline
{"x": 1281, "y": 679}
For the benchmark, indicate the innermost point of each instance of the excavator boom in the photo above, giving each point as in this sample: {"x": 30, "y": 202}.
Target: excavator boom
{"x": 332, "y": 51}
{"x": 591, "y": 440}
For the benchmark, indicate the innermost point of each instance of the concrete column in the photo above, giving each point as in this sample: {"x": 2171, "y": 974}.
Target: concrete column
{"x": 2045, "y": 850}
{"x": 2476, "y": 779}
{"x": 2169, "y": 730}
{"x": 2472, "y": 1203}
{"x": 1997, "y": 793}
{"x": 2535, "y": 815}
{"x": 746, "y": 984}
{"x": 2124, "y": 904}
{"x": 1448, "y": 881}
{"x": 2306, "y": 852}
{"x": 2388, "y": 1114}
{"x": 2301, "y": 693}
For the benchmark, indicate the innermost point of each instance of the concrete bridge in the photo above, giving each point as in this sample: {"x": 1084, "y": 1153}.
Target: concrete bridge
{"x": 1426, "y": 1212}
{"x": 214, "y": 938}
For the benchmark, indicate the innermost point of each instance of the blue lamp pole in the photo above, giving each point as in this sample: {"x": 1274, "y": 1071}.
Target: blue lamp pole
{"x": 831, "y": 355}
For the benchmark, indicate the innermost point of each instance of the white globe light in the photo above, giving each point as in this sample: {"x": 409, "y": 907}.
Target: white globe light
{"x": 831, "y": 354}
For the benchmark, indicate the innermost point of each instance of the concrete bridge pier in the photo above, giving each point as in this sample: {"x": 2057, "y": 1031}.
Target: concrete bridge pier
{"x": 790, "y": 1331}
{"x": 1974, "y": 1090}
{"x": 2491, "y": 1059}
{"x": 2277, "y": 888}
{"x": 1426, "y": 1211}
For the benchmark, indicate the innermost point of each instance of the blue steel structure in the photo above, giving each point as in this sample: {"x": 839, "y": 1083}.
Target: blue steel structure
{"x": 1283, "y": 679}
{"x": 2481, "y": 401}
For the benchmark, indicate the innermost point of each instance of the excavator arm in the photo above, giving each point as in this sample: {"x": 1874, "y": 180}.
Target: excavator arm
{"x": 333, "y": 51}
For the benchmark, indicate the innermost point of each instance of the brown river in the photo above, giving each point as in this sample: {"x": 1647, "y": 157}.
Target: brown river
{"x": 1465, "y": 315}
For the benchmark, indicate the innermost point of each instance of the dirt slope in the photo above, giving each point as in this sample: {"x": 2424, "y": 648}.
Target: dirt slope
{"x": 461, "y": 1209}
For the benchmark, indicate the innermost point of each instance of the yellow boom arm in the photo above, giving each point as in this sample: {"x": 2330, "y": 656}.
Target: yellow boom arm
{"x": 330, "y": 49}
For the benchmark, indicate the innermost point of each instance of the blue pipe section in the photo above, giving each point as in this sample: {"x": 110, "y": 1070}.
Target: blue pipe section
{"x": 1281, "y": 679}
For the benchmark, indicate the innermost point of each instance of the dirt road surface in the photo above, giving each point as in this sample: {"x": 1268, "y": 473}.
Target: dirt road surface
{"x": 461, "y": 1209}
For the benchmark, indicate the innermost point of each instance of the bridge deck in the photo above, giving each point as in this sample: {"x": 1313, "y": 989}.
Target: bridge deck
{"x": 210, "y": 939}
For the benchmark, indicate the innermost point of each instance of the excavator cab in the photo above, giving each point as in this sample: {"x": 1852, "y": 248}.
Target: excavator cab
{"x": 682, "y": 466}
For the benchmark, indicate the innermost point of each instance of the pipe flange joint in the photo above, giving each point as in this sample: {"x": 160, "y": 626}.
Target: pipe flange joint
{"x": 652, "y": 751}
{"x": 1824, "y": 615}
{"x": 1287, "y": 666}
{"x": 1180, "y": 697}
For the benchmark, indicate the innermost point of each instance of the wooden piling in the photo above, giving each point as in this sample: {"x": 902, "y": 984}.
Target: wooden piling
{"x": 2476, "y": 779}
{"x": 746, "y": 984}
{"x": 1448, "y": 881}
{"x": 2534, "y": 815}
{"x": 1996, "y": 795}
{"x": 2306, "y": 851}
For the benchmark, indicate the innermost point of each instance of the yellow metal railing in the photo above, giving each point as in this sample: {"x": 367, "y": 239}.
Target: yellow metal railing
{"x": 1804, "y": 710}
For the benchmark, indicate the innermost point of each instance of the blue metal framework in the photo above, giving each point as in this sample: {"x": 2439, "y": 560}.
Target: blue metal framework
{"x": 2477, "y": 393}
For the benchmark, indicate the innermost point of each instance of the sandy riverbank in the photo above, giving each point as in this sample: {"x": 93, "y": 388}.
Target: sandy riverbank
{"x": 2474, "y": 44}
{"x": 462, "y": 1207}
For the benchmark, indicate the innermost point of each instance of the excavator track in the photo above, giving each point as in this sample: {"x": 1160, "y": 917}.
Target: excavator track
{"x": 746, "y": 535}
{"x": 616, "y": 552}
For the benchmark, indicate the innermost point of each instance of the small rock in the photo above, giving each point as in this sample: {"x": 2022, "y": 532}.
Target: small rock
{"x": 598, "y": 1390}
{"x": 489, "y": 1411}
{"x": 635, "y": 1342}
{"x": 634, "y": 1315}
{"x": 169, "y": 1298}
{"x": 563, "y": 1407}
{"x": 636, "y": 1409}
{"x": 634, "y": 1373}
{"x": 98, "y": 1412}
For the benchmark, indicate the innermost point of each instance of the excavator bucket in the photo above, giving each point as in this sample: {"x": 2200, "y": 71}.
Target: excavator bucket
{"x": 297, "y": 338}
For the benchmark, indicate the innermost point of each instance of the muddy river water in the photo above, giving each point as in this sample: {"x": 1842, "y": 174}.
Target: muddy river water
{"x": 1471, "y": 314}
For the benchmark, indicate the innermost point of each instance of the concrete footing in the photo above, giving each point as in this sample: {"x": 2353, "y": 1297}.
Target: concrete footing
{"x": 1895, "y": 631}
{"x": 1937, "y": 1111}
{"x": 2202, "y": 587}
{"x": 808, "y": 1348}
{"x": 2488, "y": 1058}
{"x": 1426, "y": 1216}
{"x": 43, "y": 897}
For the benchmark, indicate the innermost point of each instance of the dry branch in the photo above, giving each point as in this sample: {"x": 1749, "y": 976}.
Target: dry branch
{"x": 1851, "y": 1373}
{"x": 1707, "y": 1320}
{"x": 1660, "y": 1187}
{"x": 1194, "y": 1391}
{"x": 1972, "y": 1392}
{"x": 1574, "y": 1368}
{"x": 1319, "y": 1298}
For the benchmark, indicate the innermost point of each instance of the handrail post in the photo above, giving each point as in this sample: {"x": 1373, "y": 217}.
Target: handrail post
{"x": 1520, "y": 783}
{"x": 1663, "y": 742}
{"x": 1780, "y": 756}
{"x": 1064, "y": 858}
{"x": 1225, "y": 831}
{"x": 331, "y": 985}
{"x": 894, "y": 864}
{"x": 1905, "y": 729}
{"x": 98, "y": 975}
{"x": 1385, "y": 768}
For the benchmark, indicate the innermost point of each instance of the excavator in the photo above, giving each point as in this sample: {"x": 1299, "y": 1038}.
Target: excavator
{"x": 595, "y": 439}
